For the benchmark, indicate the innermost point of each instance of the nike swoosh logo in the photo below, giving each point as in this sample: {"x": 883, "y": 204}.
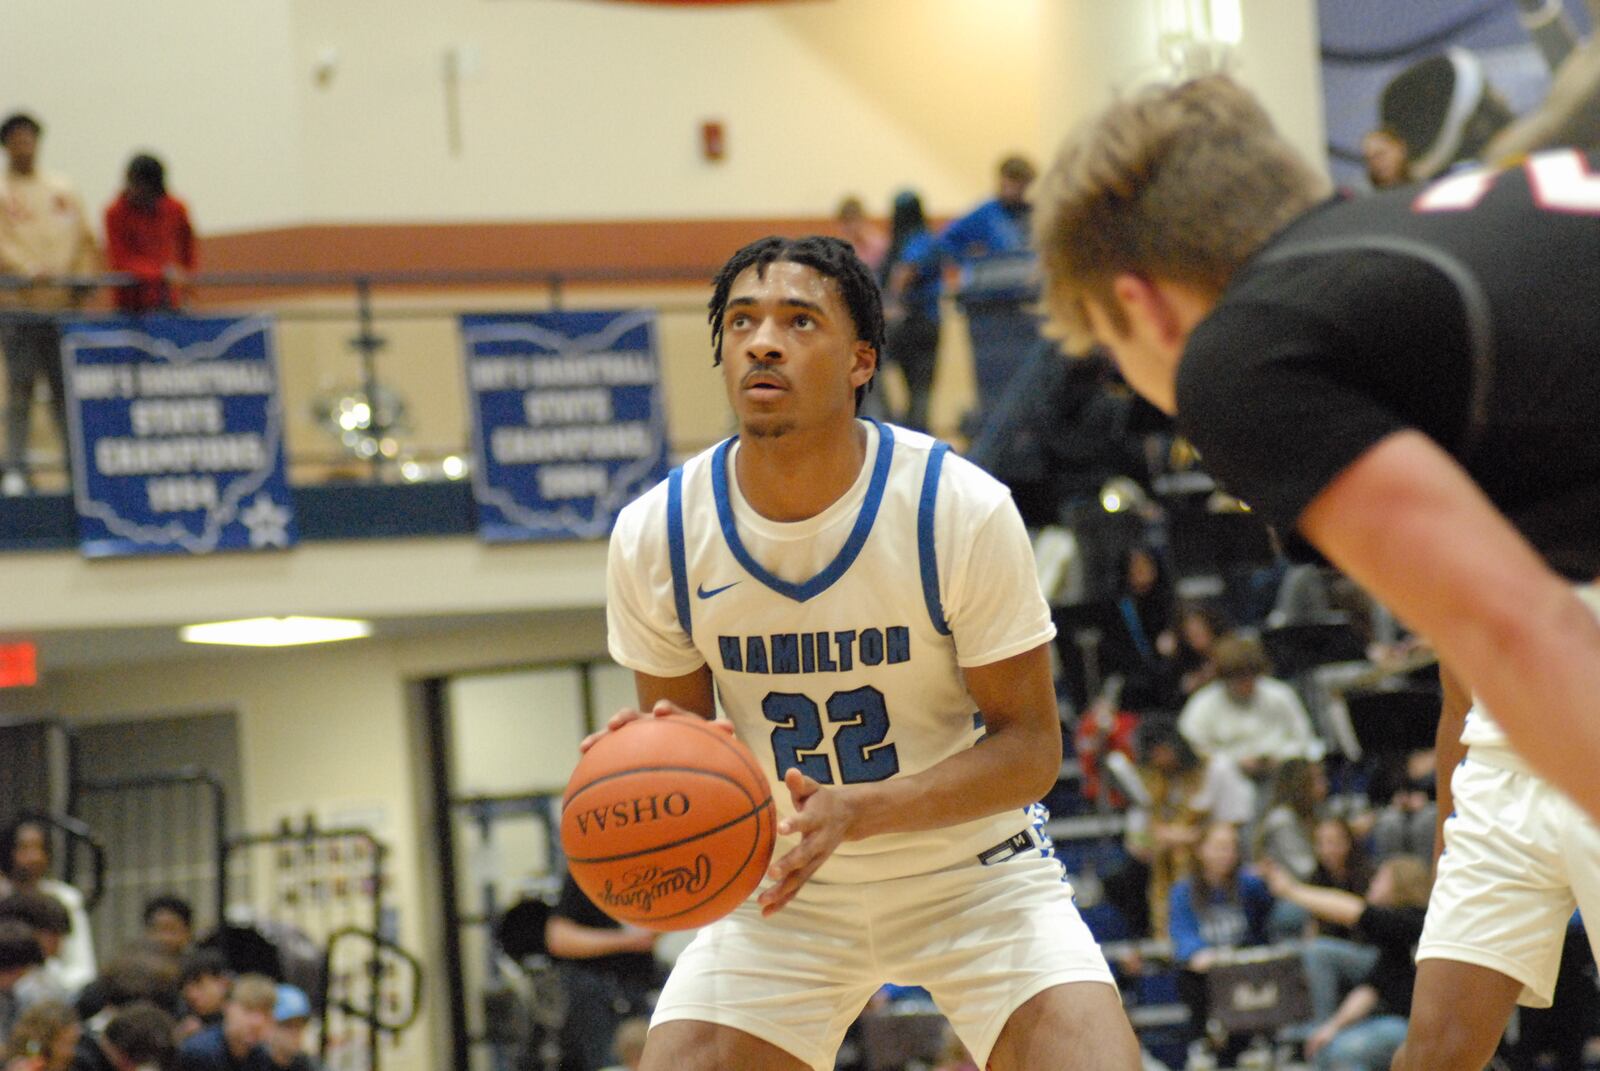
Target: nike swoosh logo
{"x": 704, "y": 594}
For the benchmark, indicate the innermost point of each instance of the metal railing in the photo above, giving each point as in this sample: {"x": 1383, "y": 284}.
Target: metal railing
{"x": 225, "y": 291}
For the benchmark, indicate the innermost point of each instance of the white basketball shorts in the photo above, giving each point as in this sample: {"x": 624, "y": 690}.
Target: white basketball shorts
{"x": 1519, "y": 856}
{"x": 981, "y": 939}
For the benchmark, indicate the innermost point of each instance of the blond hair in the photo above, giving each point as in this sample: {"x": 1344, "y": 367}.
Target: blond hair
{"x": 1413, "y": 881}
{"x": 254, "y": 991}
{"x": 1182, "y": 182}
{"x": 1239, "y": 656}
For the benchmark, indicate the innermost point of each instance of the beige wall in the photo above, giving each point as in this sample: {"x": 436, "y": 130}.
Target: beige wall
{"x": 567, "y": 109}
{"x": 592, "y": 110}
{"x": 207, "y": 85}
{"x": 1094, "y": 50}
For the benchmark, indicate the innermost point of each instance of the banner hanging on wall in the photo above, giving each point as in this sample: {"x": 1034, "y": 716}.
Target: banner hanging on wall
{"x": 177, "y": 435}
{"x": 567, "y": 417}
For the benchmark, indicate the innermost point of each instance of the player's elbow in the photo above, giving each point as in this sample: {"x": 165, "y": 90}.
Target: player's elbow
{"x": 1039, "y": 765}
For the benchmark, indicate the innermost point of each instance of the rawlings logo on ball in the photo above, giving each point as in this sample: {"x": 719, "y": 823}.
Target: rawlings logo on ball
{"x": 641, "y": 887}
{"x": 632, "y": 812}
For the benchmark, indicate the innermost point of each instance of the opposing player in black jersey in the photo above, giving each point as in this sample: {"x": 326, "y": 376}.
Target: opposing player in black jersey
{"x": 1412, "y": 380}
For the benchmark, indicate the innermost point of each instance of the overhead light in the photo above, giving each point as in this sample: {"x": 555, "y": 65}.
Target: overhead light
{"x": 276, "y": 631}
{"x": 1121, "y": 494}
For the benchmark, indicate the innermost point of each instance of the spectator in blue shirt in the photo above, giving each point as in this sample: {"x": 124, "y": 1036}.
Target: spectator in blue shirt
{"x": 1219, "y": 907}
{"x": 1000, "y": 225}
{"x": 915, "y": 264}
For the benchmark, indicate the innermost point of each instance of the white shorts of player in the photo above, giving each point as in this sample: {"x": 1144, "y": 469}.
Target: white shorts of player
{"x": 981, "y": 939}
{"x": 1519, "y": 857}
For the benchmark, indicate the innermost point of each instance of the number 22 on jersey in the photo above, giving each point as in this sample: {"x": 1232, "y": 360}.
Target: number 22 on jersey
{"x": 858, "y": 743}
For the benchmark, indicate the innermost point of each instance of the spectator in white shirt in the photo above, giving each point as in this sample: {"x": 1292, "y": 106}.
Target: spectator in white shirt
{"x": 1246, "y": 715}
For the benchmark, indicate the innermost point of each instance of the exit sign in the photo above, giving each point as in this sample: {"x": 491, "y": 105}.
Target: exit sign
{"x": 19, "y": 665}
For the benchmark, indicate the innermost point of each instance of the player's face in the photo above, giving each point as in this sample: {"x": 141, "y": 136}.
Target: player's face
{"x": 790, "y": 356}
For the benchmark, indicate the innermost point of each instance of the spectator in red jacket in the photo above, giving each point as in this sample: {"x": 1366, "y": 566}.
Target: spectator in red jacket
{"x": 148, "y": 235}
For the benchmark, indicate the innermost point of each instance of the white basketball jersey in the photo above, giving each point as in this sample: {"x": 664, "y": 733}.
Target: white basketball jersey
{"x": 837, "y": 642}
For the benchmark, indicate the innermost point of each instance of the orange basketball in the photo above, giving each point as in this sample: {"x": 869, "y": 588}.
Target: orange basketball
{"x": 667, "y": 823}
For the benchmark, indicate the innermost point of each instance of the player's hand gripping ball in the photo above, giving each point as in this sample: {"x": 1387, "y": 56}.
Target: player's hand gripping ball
{"x": 667, "y": 823}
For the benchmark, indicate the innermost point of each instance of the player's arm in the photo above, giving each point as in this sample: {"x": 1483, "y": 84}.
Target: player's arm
{"x": 1448, "y": 749}
{"x": 1566, "y": 116}
{"x": 642, "y": 628}
{"x": 1409, "y": 524}
{"x": 691, "y": 693}
{"x": 1014, "y": 766}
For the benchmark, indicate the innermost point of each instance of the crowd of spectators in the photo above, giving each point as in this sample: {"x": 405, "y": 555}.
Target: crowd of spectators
{"x": 913, "y": 260}
{"x": 164, "y": 1002}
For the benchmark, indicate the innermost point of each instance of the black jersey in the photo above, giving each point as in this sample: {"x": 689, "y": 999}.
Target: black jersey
{"x": 1466, "y": 310}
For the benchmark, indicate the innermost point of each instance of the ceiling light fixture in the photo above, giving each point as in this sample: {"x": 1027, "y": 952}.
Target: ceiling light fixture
{"x": 276, "y": 631}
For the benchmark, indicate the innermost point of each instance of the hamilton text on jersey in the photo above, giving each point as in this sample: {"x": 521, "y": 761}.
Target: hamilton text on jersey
{"x": 815, "y": 652}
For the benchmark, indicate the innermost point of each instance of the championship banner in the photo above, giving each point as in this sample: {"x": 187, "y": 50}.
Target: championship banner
{"x": 177, "y": 436}
{"x": 568, "y": 420}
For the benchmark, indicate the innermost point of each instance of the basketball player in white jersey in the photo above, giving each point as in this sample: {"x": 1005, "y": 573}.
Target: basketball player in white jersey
{"x": 865, "y": 605}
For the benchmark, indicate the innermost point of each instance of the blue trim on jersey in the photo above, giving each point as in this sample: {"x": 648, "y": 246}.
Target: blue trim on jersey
{"x": 680, "y": 571}
{"x": 847, "y": 554}
{"x": 926, "y": 555}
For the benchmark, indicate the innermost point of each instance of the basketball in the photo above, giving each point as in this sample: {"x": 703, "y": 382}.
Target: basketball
{"x": 667, "y": 823}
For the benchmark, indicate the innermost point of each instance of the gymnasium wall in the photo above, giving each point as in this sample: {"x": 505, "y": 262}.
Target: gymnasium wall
{"x": 210, "y": 86}
{"x": 568, "y": 109}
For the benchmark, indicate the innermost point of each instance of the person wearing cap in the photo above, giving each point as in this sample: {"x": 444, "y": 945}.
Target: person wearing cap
{"x": 999, "y": 225}
{"x": 285, "y": 1047}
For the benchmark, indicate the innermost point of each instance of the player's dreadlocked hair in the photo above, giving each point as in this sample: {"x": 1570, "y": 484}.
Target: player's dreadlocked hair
{"x": 827, "y": 256}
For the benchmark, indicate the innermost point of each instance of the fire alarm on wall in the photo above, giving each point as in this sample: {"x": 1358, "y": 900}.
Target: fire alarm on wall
{"x": 713, "y": 142}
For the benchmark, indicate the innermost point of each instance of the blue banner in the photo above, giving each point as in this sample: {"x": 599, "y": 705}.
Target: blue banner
{"x": 568, "y": 420}
{"x": 177, "y": 435}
